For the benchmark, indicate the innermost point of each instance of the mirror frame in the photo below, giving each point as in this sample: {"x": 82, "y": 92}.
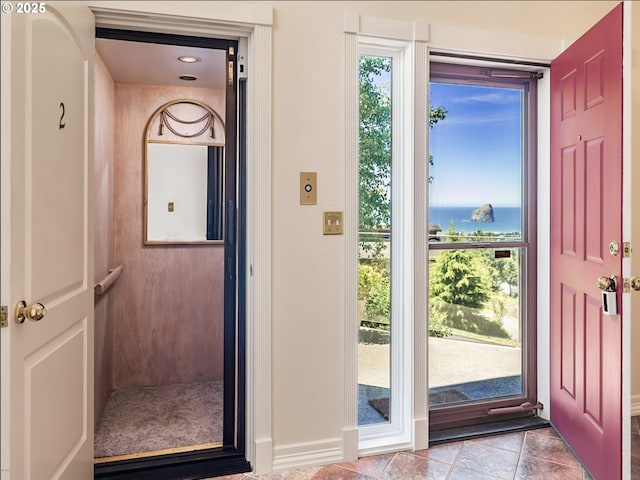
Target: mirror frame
{"x": 214, "y": 118}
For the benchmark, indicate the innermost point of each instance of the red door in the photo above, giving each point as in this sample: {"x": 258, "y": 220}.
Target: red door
{"x": 586, "y": 215}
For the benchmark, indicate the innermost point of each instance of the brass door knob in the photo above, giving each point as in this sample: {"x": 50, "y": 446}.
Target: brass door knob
{"x": 608, "y": 284}
{"x": 34, "y": 312}
{"x": 635, "y": 283}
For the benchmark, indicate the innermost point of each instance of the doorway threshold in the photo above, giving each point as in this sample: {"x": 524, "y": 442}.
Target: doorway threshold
{"x": 194, "y": 464}
{"x": 468, "y": 432}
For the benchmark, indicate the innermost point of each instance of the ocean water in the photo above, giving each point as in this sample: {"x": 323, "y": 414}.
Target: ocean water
{"x": 507, "y": 219}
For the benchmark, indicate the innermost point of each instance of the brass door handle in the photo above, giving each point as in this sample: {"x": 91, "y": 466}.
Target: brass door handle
{"x": 34, "y": 312}
{"x": 635, "y": 283}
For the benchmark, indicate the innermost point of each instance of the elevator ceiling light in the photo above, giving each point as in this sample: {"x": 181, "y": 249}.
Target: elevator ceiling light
{"x": 189, "y": 59}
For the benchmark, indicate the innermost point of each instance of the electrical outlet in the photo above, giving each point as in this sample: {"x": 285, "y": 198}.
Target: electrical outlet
{"x": 332, "y": 223}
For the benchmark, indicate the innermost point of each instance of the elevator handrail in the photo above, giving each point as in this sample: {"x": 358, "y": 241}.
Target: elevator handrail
{"x": 113, "y": 275}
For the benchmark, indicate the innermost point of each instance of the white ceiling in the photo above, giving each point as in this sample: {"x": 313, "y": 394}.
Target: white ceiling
{"x": 155, "y": 64}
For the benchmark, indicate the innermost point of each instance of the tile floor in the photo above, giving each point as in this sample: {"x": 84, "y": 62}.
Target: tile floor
{"x": 535, "y": 454}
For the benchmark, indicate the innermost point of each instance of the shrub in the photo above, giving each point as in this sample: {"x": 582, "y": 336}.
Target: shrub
{"x": 367, "y": 277}
{"x": 437, "y": 317}
{"x": 374, "y": 287}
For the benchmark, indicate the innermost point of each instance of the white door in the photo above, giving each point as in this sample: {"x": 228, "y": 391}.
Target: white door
{"x": 47, "y": 383}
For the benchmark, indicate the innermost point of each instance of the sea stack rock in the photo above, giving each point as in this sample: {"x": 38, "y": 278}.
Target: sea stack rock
{"x": 483, "y": 214}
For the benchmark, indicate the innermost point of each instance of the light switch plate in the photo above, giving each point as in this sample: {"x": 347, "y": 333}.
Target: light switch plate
{"x": 308, "y": 188}
{"x": 332, "y": 223}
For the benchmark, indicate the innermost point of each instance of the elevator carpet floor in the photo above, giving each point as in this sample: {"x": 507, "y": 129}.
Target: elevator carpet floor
{"x": 144, "y": 419}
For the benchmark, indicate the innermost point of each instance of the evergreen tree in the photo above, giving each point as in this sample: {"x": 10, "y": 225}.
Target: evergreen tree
{"x": 457, "y": 278}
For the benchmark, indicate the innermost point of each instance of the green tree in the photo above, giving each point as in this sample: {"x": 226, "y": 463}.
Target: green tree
{"x": 458, "y": 278}
{"x": 459, "y": 289}
{"x": 375, "y": 144}
{"x": 508, "y": 271}
{"x": 501, "y": 270}
{"x": 375, "y": 184}
{"x": 375, "y": 147}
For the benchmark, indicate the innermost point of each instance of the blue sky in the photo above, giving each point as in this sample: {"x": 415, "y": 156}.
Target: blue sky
{"x": 477, "y": 147}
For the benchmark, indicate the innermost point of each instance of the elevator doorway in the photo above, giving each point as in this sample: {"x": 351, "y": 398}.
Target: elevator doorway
{"x": 174, "y": 349}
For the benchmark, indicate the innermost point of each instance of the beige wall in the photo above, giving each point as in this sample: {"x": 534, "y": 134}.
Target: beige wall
{"x": 103, "y": 173}
{"x": 168, "y": 303}
{"x": 308, "y": 116}
{"x": 308, "y": 135}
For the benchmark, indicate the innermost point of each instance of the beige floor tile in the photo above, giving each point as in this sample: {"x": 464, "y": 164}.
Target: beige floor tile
{"x": 511, "y": 441}
{"x": 488, "y": 460}
{"x": 333, "y": 472}
{"x": 459, "y": 473}
{"x": 372, "y": 466}
{"x": 406, "y": 466}
{"x": 549, "y": 447}
{"x": 446, "y": 453}
{"x": 536, "y": 454}
{"x": 532, "y": 468}
{"x": 297, "y": 474}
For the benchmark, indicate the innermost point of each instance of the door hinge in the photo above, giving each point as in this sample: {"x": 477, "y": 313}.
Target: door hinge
{"x": 4, "y": 316}
{"x": 231, "y": 71}
{"x": 626, "y": 285}
{"x": 231, "y": 65}
{"x": 626, "y": 249}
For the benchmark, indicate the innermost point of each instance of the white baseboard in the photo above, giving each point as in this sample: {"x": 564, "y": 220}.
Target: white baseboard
{"x": 307, "y": 454}
{"x": 635, "y": 405}
{"x": 421, "y": 434}
{"x": 349, "y": 444}
{"x": 263, "y": 462}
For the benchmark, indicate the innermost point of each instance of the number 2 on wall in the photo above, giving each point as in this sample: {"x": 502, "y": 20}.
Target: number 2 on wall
{"x": 61, "y": 124}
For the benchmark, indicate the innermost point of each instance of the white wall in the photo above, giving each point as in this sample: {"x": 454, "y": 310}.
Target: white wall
{"x": 308, "y": 135}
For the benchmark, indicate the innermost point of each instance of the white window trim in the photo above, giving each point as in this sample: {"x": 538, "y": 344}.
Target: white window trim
{"x": 406, "y": 43}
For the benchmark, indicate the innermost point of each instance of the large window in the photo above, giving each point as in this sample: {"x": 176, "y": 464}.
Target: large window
{"x": 481, "y": 233}
{"x": 385, "y": 245}
{"x": 374, "y": 240}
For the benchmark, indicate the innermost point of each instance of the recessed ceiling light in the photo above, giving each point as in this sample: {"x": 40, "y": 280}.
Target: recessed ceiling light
{"x": 188, "y": 78}
{"x": 189, "y": 59}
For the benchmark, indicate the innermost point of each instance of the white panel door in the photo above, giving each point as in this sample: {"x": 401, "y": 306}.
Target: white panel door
{"x": 50, "y": 365}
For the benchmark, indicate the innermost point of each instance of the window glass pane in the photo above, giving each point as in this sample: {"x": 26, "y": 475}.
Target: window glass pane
{"x": 476, "y": 173}
{"x": 477, "y": 200}
{"x": 374, "y": 266}
{"x": 475, "y": 325}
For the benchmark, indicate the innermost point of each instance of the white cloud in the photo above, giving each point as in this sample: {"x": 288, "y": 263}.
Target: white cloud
{"x": 500, "y": 98}
{"x": 474, "y": 119}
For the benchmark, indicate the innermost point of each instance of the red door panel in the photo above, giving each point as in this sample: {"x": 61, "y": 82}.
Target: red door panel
{"x": 586, "y": 206}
